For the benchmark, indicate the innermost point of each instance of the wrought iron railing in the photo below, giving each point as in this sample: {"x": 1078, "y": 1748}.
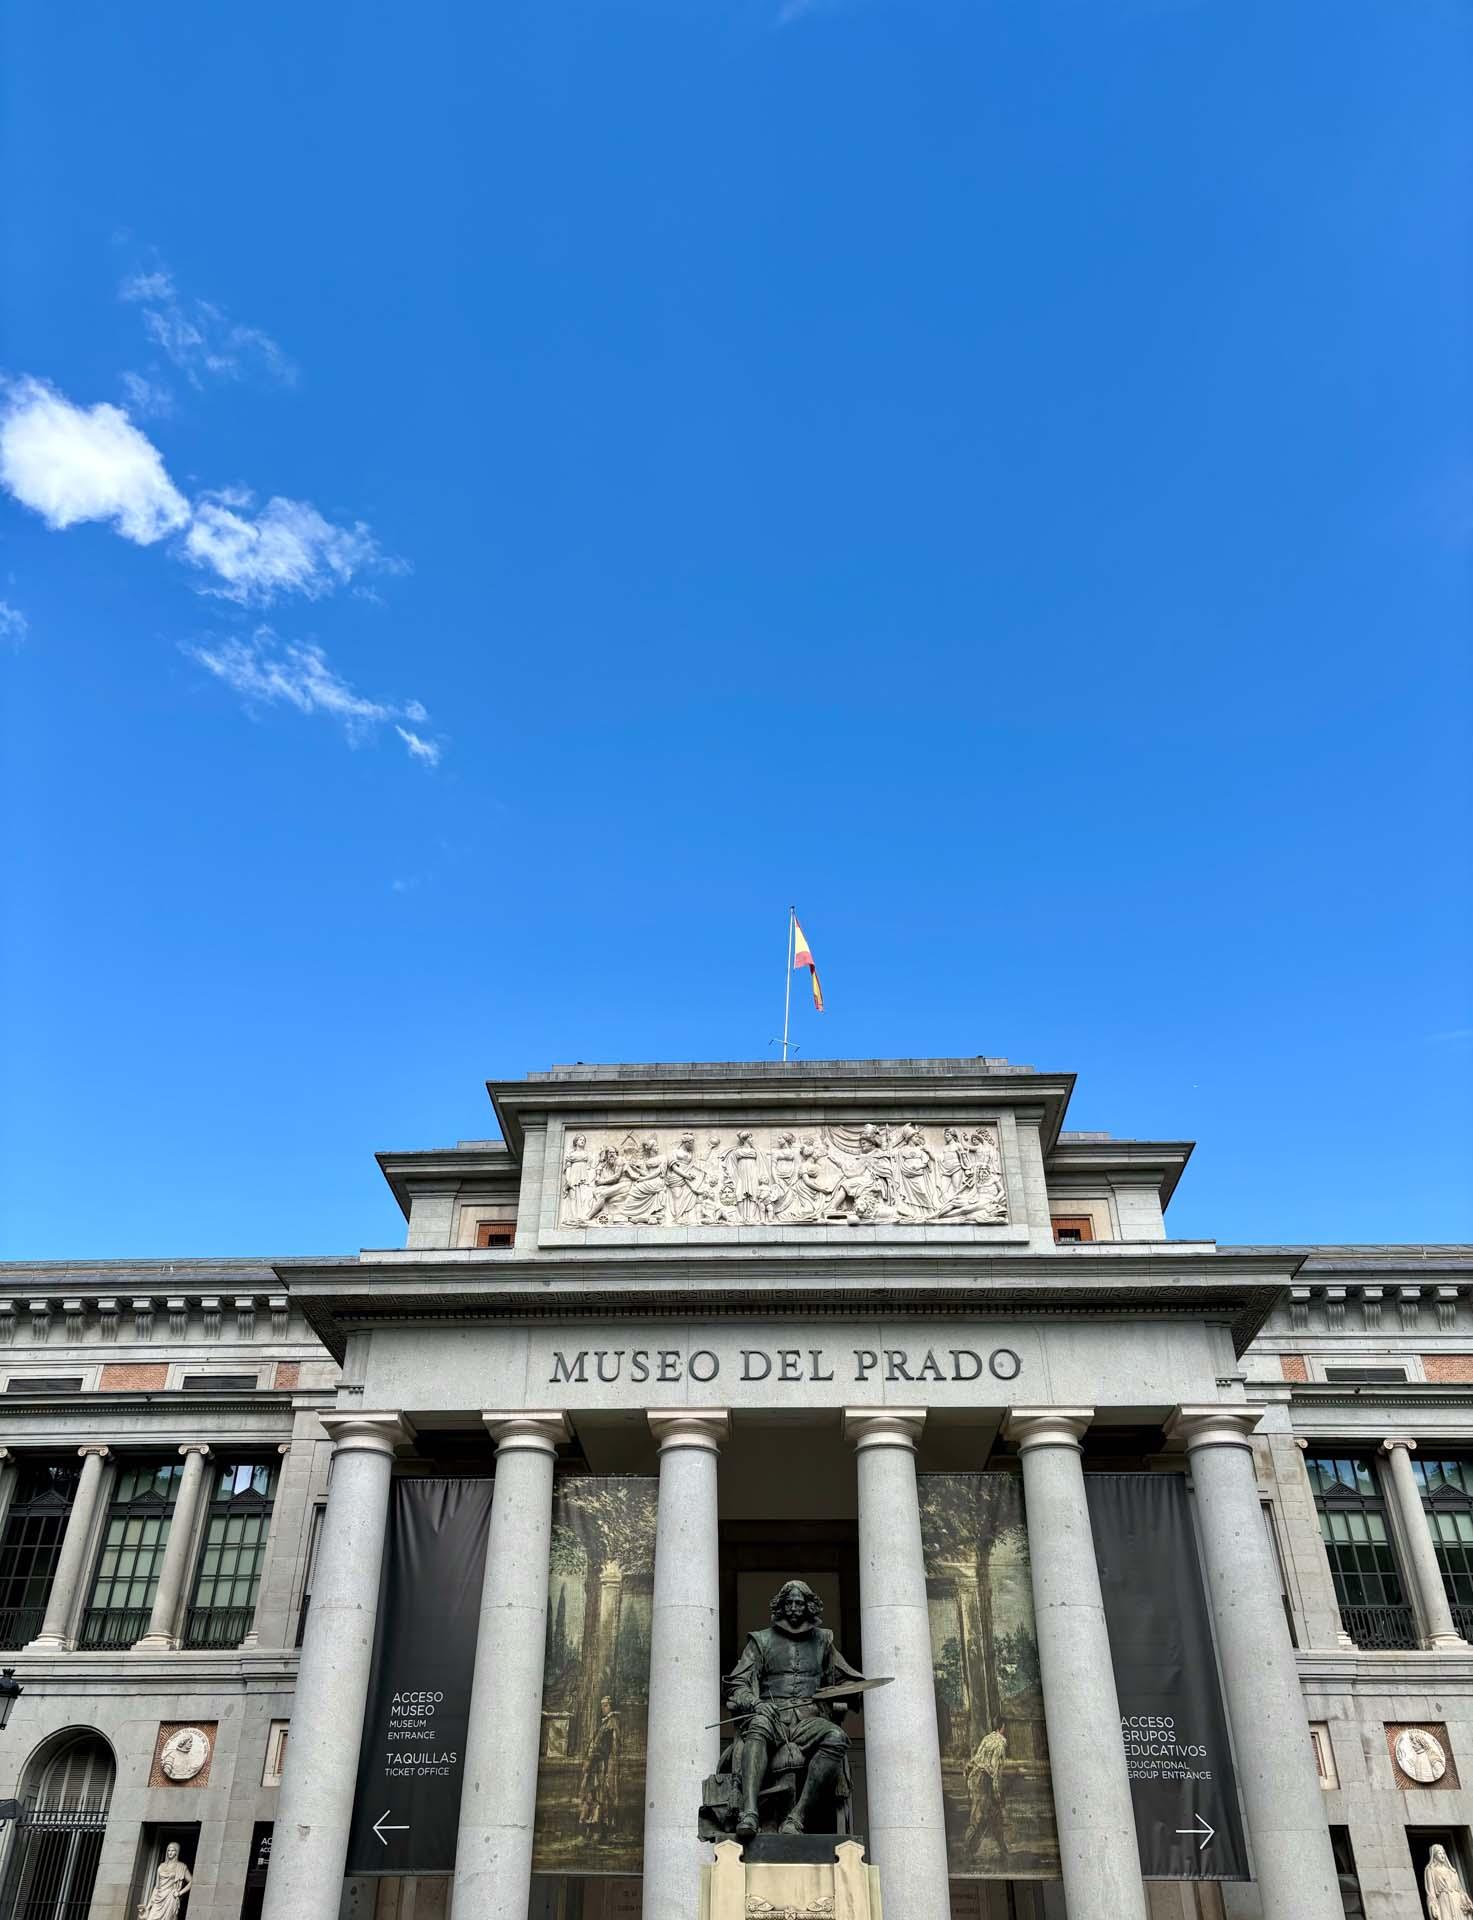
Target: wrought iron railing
{"x": 19, "y": 1626}
{"x": 217, "y": 1626}
{"x": 1381, "y": 1629}
{"x": 113, "y": 1627}
{"x": 1463, "y": 1621}
{"x": 52, "y": 1865}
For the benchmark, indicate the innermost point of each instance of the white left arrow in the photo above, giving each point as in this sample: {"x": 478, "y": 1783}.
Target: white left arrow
{"x": 1202, "y": 1828}
{"x": 383, "y": 1826}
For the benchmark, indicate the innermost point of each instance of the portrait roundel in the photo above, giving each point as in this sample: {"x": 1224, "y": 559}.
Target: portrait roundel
{"x": 185, "y": 1753}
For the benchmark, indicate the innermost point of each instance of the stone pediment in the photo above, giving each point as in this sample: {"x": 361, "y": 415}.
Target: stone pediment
{"x": 868, "y": 1172}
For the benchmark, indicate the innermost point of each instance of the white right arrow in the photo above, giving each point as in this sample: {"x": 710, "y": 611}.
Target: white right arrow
{"x": 383, "y": 1826}
{"x": 1207, "y": 1833}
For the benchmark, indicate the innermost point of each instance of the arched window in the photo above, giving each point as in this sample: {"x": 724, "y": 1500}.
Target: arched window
{"x": 65, "y": 1791}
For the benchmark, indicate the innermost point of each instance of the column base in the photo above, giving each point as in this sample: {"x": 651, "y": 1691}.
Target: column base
{"x": 48, "y": 1643}
{"x": 1446, "y": 1643}
{"x": 155, "y": 1643}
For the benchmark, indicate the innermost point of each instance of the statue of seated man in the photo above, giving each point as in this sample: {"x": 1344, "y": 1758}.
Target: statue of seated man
{"x": 783, "y": 1733}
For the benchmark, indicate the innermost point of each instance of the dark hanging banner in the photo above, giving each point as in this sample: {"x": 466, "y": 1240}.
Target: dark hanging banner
{"x": 1171, "y": 1712}
{"x": 407, "y": 1808}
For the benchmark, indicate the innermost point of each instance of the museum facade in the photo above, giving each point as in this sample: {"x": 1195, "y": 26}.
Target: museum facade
{"x": 458, "y": 1578}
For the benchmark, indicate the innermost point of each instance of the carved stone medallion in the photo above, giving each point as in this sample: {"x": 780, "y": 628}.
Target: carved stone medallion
{"x": 185, "y": 1753}
{"x": 1420, "y": 1755}
{"x": 873, "y": 1173}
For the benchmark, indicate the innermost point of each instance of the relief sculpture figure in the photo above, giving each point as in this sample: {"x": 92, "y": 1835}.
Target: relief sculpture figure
{"x": 787, "y": 1768}
{"x": 875, "y": 1173}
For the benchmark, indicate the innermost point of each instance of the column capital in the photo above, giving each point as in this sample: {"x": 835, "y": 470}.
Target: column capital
{"x": 883, "y": 1426}
{"x": 195, "y": 1446}
{"x": 691, "y": 1427}
{"x": 101, "y": 1452}
{"x": 1395, "y": 1440}
{"x": 1047, "y": 1426}
{"x": 365, "y": 1432}
{"x": 1214, "y": 1426}
{"x": 527, "y": 1432}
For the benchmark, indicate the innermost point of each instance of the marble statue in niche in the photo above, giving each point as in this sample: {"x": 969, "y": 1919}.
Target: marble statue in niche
{"x": 170, "y": 1884}
{"x": 876, "y": 1173}
{"x": 1446, "y": 1897}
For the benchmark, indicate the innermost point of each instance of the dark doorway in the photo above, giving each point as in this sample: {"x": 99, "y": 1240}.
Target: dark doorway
{"x": 256, "y": 1871}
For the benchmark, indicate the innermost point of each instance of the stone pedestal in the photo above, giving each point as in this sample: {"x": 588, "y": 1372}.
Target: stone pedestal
{"x": 808, "y": 1876}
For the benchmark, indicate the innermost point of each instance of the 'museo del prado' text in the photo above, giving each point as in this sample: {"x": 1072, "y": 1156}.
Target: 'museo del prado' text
{"x": 781, "y": 1365}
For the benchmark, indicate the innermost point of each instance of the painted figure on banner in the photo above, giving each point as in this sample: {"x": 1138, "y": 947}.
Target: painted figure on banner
{"x": 989, "y": 1695}
{"x": 983, "y": 1776}
{"x": 598, "y": 1790}
{"x": 876, "y": 1173}
{"x": 170, "y": 1884}
{"x": 787, "y": 1766}
{"x": 1446, "y": 1898}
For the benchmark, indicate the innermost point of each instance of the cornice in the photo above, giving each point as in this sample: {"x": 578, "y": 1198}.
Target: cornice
{"x": 451, "y": 1165}
{"x": 334, "y": 1315}
{"x": 915, "y": 1089}
{"x": 1166, "y": 1158}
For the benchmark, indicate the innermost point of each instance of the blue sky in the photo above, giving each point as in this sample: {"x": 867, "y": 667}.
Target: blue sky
{"x": 499, "y": 500}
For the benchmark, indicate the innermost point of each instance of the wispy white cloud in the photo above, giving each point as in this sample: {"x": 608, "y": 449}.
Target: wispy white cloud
{"x": 14, "y": 625}
{"x": 71, "y": 463}
{"x": 420, "y": 749}
{"x": 149, "y": 399}
{"x": 268, "y": 671}
{"x": 288, "y": 547}
{"x": 201, "y": 339}
{"x": 1451, "y": 1035}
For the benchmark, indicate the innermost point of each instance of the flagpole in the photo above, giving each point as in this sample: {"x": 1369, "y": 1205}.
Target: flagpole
{"x": 788, "y": 979}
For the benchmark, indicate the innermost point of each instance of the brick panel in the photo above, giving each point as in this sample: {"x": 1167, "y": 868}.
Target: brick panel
{"x": 158, "y": 1778}
{"x": 1450, "y": 1369}
{"x": 288, "y": 1373}
{"x": 142, "y": 1378}
{"x": 1294, "y": 1366}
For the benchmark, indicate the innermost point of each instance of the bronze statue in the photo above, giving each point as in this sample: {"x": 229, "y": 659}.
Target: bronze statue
{"x": 787, "y": 1768}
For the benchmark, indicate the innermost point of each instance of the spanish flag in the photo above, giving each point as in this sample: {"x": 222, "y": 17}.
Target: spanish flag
{"x": 803, "y": 957}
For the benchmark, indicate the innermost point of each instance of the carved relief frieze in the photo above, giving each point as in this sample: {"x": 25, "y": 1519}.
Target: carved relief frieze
{"x": 873, "y": 1173}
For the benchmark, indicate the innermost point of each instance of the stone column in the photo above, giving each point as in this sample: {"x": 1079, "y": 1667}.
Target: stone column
{"x": 1437, "y": 1616}
{"x": 1282, "y": 1798}
{"x": 493, "y": 1859}
{"x": 902, "y": 1753}
{"x": 9, "y": 1467}
{"x": 71, "y": 1564}
{"x": 1092, "y": 1801}
{"x": 310, "y": 1848}
{"x": 685, "y": 1659}
{"x": 163, "y": 1620}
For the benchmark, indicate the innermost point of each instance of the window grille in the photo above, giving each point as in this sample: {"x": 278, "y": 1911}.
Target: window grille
{"x": 133, "y": 1543}
{"x": 44, "y": 1383}
{"x": 229, "y": 1575}
{"x": 1073, "y": 1227}
{"x": 31, "y": 1546}
{"x": 496, "y": 1233}
{"x": 218, "y": 1382}
{"x": 1373, "y": 1605}
{"x": 1365, "y": 1376}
